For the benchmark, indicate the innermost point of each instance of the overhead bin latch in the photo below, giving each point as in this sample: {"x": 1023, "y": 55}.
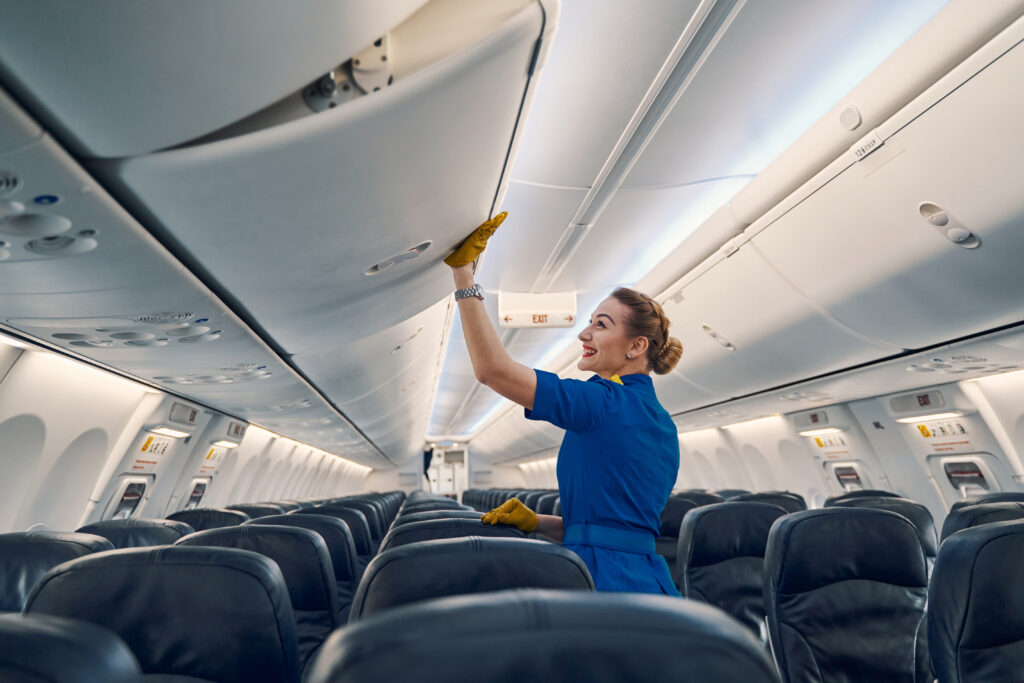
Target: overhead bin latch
{"x": 367, "y": 72}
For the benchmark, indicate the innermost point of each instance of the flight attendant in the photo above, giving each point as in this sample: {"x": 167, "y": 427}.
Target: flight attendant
{"x": 620, "y": 454}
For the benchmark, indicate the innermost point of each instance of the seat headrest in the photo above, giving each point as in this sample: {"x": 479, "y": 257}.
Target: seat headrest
{"x": 44, "y": 649}
{"x": 720, "y": 532}
{"x": 210, "y": 613}
{"x": 544, "y": 635}
{"x": 456, "y": 566}
{"x": 202, "y": 519}
{"x": 862, "y": 493}
{"x": 672, "y": 515}
{"x": 435, "y": 514}
{"x": 448, "y": 527}
{"x": 138, "y": 532}
{"x": 918, "y": 514}
{"x": 790, "y": 502}
{"x": 335, "y": 533}
{"x": 996, "y": 497}
{"x": 255, "y": 510}
{"x": 700, "y": 497}
{"x": 862, "y": 543}
{"x": 969, "y": 516}
{"x": 356, "y": 521}
{"x": 974, "y": 605}
{"x": 25, "y": 556}
{"x": 300, "y": 553}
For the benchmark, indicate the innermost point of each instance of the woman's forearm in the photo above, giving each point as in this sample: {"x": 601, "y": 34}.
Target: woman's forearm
{"x": 492, "y": 364}
{"x": 550, "y": 527}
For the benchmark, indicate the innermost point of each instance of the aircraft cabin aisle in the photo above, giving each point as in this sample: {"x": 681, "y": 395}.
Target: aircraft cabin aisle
{"x": 242, "y": 436}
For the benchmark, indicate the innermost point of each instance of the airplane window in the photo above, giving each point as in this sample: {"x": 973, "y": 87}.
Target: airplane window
{"x": 130, "y": 500}
{"x": 965, "y": 476}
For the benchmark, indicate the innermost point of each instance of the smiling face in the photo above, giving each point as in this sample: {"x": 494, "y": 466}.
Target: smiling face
{"x": 605, "y": 343}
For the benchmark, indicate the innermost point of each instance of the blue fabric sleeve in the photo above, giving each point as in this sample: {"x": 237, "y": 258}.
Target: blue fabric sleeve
{"x": 571, "y": 404}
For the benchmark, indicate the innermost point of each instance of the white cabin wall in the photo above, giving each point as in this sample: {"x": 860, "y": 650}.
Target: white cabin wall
{"x": 229, "y": 475}
{"x": 406, "y": 477}
{"x": 59, "y": 420}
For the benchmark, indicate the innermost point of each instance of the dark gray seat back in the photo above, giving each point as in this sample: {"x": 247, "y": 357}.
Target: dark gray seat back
{"x": 448, "y": 527}
{"x": 978, "y": 514}
{"x": 202, "y": 519}
{"x": 138, "y": 532}
{"x": 25, "y": 556}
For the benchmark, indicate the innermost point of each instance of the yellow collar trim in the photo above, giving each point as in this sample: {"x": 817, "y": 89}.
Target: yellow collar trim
{"x": 615, "y": 378}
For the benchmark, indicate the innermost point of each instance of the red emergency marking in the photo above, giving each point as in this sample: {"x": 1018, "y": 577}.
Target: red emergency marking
{"x": 540, "y": 318}
{"x": 508, "y": 318}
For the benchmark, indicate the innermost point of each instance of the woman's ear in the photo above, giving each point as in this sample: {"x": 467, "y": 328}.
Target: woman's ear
{"x": 638, "y": 348}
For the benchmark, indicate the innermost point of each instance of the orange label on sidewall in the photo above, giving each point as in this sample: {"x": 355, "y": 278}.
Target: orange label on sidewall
{"x": 146, "y": 445}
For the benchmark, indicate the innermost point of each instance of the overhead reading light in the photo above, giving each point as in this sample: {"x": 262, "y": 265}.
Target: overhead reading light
{"x": 167, "y": 431}
{"x": 225, "y": 444}
{"x": 929, "y": 418}
{"x": 820, "y": 432}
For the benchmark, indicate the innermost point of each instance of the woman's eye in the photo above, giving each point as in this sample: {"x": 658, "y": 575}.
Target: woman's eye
{"x": 600, "y": 323}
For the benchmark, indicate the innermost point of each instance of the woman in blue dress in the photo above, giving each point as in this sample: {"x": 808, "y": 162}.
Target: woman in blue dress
{"x": 620, "y": 454}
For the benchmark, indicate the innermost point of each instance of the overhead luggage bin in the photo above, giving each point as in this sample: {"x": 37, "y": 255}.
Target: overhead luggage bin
{"x": 184, "y": 83}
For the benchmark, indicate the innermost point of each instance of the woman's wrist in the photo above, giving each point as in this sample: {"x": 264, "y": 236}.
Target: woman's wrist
{"x": 463, "y": 276}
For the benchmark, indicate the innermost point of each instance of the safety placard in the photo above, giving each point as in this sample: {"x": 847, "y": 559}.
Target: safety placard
{"x": 209, "y": 464}
{"x": 150, "y": 453}
{"x": 946, "y": 436}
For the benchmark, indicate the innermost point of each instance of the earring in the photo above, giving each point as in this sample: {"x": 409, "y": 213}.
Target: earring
{"x": 629, "y": 356}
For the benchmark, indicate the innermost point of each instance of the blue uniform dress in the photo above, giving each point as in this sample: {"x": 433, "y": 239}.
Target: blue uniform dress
{"x": 616, "y": 468}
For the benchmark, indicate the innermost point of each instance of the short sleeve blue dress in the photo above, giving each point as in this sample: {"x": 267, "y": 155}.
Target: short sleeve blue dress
{"x": 616, "y": 468}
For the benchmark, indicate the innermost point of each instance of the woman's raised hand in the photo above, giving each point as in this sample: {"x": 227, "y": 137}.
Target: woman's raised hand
{"x": 474, "y": 245}
{"x": 514, "y": 513}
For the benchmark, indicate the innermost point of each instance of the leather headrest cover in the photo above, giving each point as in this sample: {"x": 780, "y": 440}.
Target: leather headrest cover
{"x": 978, "y": 514}
{"x": 138, "y": 532}
{"x": 25, "y": 556}
{"x": 300, "y": 553}
{"x": 918, "y": 515}
{"x": 700, "y": 497}
{"x": 456, "y": 566}
{"x": 53, "y": 649}
{"x": 672, "y": 515}
{"x": 860, "y": 543}
{"x": 213, "y": 613}
{"x": 536, "y": 635}
{"x": 449, "y": 527}
{"x": 255, "y": 510}
{"x": 435, "y": 514}
{"x": 356, "y": 521}
{"x": 862, "y": 493}
{"x": 997, "y": 497}
{"x": 974, "y": 605}
{"x": 790, "y": 502}
{"x": 720, "y": 532}
{"x": 335, "y": 533}
{"x": 202, "y": 519}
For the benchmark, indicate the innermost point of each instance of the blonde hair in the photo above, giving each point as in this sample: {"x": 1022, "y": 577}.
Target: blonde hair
{"x": 647, "y": 319}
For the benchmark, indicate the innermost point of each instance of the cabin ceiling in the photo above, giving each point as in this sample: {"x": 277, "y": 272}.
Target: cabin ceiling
{"x": 217, "y": 192}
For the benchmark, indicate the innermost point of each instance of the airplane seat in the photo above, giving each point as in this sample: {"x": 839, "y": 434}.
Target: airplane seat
{"x": 918, "y": 515}
{"x": 729, "y": 493}
{"x": 978, "y": 514}
{"x": 790, "y": 502}
{"x": 699, "y": 498}
{"x": 994, "y": 497}
{"x": 305, "y": 563}
{"x": 862, "y": 493}
{"x": 44, "y": 649}
{"x": 138, "y": 532}
{"x": 287, "y": 505}
{"x": 25, "y": 556}
{"x": 556, "y": 510}
{"x": 212, "y": 614}
{"x": 546, "y": 503}
{"x": 531, "y": 499}
{"x": 255, "y": 510}
{"x": 202, "y": 519}
{"x": 450, "y": 527}
{"x": 372, "y": 514}
{"x": 845, "y": 595}
{"x": 544, "y": 635}
{"x": 340, "y": 546}
{"x": 432, "y": 505}
{"x": 459, "y": 566}
{"x": 357, "y": 524}
{"x": 401, "y": 520}
{"x": 975, "y": 602}
{"x": 720, "y": 559}
{"x": 667, "y": 541}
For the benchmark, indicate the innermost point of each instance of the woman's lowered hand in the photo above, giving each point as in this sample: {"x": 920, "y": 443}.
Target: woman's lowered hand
{"x": 514, "y": 513}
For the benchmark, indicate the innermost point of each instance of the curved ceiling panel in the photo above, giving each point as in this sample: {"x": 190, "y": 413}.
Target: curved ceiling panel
{"x": 146, "y": 76}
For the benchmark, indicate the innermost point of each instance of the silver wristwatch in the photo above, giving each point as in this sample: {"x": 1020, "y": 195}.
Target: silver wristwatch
{"x": 476, "y": 290}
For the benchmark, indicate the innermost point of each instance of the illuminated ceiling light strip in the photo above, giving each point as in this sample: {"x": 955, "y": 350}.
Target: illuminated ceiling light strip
{"x": 748, "y": 423}
{"x": 929, "y": 418}
{"x": 167, "y": 431}
{"x": 225, "y": 444}
{"x": 820, "y": 432}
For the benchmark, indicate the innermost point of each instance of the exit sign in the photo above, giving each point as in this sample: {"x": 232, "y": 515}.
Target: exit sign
{"x": 524, "y": 309}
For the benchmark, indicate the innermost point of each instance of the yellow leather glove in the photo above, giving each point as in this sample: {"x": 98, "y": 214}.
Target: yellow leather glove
{"x": 512, "y": 512}
{"x": 474, "y": 245}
